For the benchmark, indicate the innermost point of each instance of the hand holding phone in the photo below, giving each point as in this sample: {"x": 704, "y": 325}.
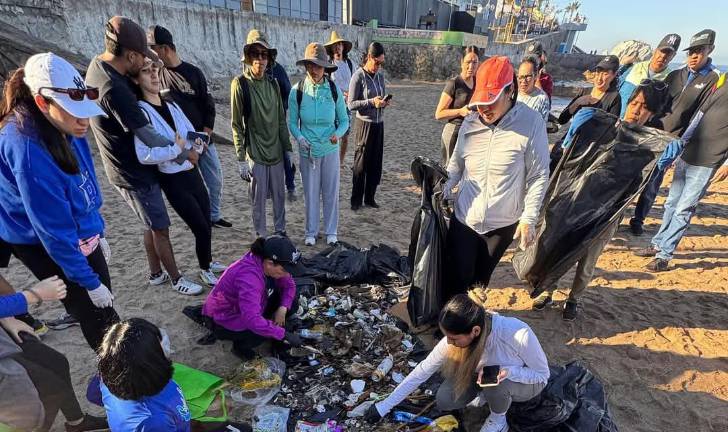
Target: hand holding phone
{"x": 490, "y": 376}
{"x": 387, "y": 97}
{"x": 199, "y": 140}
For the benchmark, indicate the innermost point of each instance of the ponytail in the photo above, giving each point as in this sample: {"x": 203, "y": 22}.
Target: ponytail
{"x": 18, "y": 103}
{"x": 257, "y": 247}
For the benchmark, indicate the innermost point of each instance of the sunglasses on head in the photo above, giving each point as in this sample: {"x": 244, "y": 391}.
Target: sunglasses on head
{"x": 657, "y": 85}
{"x": 76, "y": 94}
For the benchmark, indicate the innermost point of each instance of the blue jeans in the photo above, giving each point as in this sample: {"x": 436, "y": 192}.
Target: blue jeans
{"x": 290, "y": 171}
{"x": 689, "y": 184}
{"x": 647, "y": 198}
{"x": 211, "y": 171}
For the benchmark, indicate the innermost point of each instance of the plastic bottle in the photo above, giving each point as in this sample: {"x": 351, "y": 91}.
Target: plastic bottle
{"x": 383, "y": 369}
{"x": 310, "y": 334}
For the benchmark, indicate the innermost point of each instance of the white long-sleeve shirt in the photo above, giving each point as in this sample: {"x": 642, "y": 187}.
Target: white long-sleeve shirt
{"x": 502, "y": 170}
{"x": 164, "y": 157}
{"x": 511, "y": 344}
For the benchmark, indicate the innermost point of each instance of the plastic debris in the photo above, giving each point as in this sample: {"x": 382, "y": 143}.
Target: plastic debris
{"x": 357, "y": 386}
{"x": 405, "y": 417}
{"x": 269, "y": 418}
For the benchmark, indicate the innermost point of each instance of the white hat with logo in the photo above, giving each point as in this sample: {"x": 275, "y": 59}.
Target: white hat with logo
{"x": 53, "y": 77}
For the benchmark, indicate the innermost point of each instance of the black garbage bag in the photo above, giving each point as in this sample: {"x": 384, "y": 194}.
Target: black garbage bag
{"x": 572, "y": 401}
{"x": 343, "y": 264}
{"x": 427, "y": 244}
{"x": 603, "y": 170}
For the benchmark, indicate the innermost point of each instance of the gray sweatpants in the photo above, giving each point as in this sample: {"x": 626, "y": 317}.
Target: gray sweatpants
{"x": 499, "y": 397}
{"x": 320, "y": 177}
{"x": 268, "y": 181}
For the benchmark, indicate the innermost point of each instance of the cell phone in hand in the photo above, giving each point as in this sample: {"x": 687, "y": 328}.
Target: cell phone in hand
{"x": 489, "y": 377}
{"x": 193, "y": 136}
{"x": 387, "y": 97}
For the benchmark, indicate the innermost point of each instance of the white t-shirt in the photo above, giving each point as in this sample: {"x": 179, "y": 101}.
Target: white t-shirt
{"x": 537, "y": 100}
{"x": 342, "y": 75}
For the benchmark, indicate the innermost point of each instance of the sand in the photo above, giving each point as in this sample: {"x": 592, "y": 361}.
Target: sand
{"x": 659, "y": 342}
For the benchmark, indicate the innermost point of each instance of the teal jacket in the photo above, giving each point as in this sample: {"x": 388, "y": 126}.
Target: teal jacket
{"x": 318, "y": 117}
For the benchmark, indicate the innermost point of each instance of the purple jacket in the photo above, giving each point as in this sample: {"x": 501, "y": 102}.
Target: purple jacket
{"x": 239, "y": 298}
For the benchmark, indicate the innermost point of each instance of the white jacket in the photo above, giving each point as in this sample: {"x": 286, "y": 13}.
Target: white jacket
{"x": 502, "y": 171}
{"x": 164, "y": 157}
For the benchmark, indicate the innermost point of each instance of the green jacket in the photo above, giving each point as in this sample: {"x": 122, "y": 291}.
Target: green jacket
{"x": 263, "y": 137}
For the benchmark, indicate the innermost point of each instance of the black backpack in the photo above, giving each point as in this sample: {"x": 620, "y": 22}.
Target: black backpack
{"x": 332, "y": 86}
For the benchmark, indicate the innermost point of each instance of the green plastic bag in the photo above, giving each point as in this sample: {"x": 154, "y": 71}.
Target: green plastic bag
{"x": 200, "y": 390}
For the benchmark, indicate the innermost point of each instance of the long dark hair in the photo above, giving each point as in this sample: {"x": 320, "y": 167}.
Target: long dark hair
{"x": 132, "y": 363}
{"x": 471, "y": 49}
{"x": 18, "y": 103}
{"x": 375, "y": 49}
{"x": 257, "y": 247}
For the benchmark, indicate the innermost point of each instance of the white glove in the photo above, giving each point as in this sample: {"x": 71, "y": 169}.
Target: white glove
{"x": 526, "y": 233}
{"x": 304, "y": 145}
{"x": 105, "y": 249}
{"x": 289, "y": 155}
{"x": 245, "y": 170}
{"x": 101, "y": 297}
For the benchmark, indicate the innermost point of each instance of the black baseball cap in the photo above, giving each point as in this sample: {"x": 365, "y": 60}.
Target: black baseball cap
{"x": 129, "y": 35}
{"x": 671, "y": 41}
{"x": 610, "y": 62}
{"x": 280, "y": 250}
{"x": 158, "y": 35}
{"x": 702, "y": 38}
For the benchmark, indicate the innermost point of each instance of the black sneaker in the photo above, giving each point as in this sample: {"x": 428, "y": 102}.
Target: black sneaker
{"x": 647, "y": 252}
{"x": 372, "y": 204}
{"x": 89, "y": 424}
{"x": 658, "y": 265}
{"x": 222, "y": 223}
{"x": 356, "y": 207}
{"x": 636, "y": 229}
{"x": 569, "y": 313}
{"x": 62, "y": 322}
{"x": 542, "y": 301}
{"x": 39, "y": 327}
{"x": 244, "y": 354}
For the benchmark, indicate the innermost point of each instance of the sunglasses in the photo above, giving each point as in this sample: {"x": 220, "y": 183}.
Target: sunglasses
{"x": 657, "y": 85}
{"x": 258, "y": 54}
{"x": 76, "y": 94}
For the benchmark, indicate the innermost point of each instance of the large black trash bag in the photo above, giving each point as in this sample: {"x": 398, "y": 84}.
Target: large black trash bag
{"x": 427, "y": 244}
{"x": 343, "y": 264}
{"x": 572, "y": 401}
{"x": 603, "y": 170}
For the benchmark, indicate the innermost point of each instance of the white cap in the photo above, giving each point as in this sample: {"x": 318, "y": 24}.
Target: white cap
{"x": 49, "y": 70}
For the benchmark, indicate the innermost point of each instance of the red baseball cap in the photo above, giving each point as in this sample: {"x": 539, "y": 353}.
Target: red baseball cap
{"x": 494, "y": 75}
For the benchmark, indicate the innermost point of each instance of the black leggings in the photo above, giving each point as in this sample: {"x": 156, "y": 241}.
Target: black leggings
{"x": 49, "y": 371}
{"x": 472, "y": 257}
{"x": 94, "y": 321}
{"x": 367, "y": 170}
{"x": 187, "y": 195}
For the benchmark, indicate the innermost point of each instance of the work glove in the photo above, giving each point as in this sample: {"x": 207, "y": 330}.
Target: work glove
{"x": 293, "y": 339}
{"x": 289, "y": 155}
{"x": 105, "y": 249}
{"x": 303, "y": 145}
{"x": 245, "y": 170}
{"x": 372, "y": 415}
{"x": 672, "y": 151}
{"x": 101, "y": 297}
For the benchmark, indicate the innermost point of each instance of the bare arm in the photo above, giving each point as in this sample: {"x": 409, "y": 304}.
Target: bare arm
{"x": 444, "y": 112}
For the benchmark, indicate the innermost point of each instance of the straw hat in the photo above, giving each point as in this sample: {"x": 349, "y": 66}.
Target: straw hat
{"x": 335, "y": 38}
{"x": 258, "y": 37}
{"x": 316, "y": 54}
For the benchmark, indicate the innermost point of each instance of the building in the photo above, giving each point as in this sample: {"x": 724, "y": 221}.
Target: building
{"x": 316, "y": 10}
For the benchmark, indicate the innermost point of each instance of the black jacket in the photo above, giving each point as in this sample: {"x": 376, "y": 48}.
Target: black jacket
{"x": 708, "y": 144}
{"x": 683, "y": 101}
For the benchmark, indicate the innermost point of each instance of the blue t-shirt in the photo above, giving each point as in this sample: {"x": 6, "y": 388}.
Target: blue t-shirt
{"x": 166, "y": 411}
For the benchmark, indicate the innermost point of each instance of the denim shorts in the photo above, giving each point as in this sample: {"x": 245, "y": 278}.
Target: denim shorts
{"x": 148, "y": 204}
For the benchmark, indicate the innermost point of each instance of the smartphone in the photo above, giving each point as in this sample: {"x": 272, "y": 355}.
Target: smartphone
{"x": 387, "y": 97}
{"x": 192, "y": 136}
{"x": 489, "y": 378}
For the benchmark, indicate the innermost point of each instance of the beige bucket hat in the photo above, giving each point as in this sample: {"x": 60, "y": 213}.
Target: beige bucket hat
{"x": 316, "y": 54}
{"x": 335, "y": 38}
{"x": 256, "y": 36}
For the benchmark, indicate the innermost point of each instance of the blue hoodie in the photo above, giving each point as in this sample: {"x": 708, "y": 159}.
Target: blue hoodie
{"x": 39, "y": 203}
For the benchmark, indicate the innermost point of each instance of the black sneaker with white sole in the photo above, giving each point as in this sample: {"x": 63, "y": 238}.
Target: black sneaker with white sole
{"x": 222, "y": 223}
{"x": 570, "y": 311}
{"x": 63, "y": 322}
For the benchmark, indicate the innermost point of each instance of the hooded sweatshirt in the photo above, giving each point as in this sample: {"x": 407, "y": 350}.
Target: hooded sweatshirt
{"x": 238, "y": 300}
{"x": 363, "y": 88}
{"x": 40, "y": 203}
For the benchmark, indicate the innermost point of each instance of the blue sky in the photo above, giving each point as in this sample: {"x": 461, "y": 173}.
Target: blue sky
{"x": 612, "y": 21}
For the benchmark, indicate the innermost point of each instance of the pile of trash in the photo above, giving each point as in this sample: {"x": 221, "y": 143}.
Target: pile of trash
{"x": 356, "y": 355}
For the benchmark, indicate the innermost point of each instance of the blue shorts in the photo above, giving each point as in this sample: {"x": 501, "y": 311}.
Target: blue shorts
{"x": 147, "y": 203}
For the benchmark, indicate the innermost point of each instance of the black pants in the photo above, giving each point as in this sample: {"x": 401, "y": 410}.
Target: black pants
{"x": 94, "y": 321}
{"x": 50, "y": 372}
{"x": 647, "y": 198}
{"x": 367, "y": 170}
{"x": 187, "y": 195}
{"x": 472, "y": 257}
{"x": 246, "y": 339}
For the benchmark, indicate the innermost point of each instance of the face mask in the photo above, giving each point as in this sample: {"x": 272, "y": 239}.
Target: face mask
{"x": 166, "y": 344}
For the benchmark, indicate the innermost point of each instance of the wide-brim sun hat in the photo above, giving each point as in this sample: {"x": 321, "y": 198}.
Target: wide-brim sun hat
{"x": 47, "y": 70}
{"x": 492, "y": 77}
{"x": 257, "y": 37}
{"x": 316, "y": 54}
{"x": 334, "y": 39}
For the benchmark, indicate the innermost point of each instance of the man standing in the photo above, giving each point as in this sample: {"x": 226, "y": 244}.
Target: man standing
{"x": 260, "y": 133}
{"x": 126, "y": 49}
{"x": 657, "y": 68}
{"x": 544, "y": 82}
{"x": 276, "y": 71}
{"x": 688, "y": 88}
{"x": 187, "y": 86}
{"x": 704, "y": 159}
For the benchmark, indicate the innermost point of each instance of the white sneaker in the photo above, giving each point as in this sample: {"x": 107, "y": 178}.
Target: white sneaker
{"x": 187, "y": 287}
{"x": 217, "y": 267}
{"x": 495, "y": 423}
{"x": 310, "y": 241}
{"x": 159, "y": 280}
{"x": 208, "y": 277}
{"x": 331, "y": 240}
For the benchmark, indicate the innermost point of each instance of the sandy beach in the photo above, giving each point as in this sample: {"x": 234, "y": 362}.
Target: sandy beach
{"x": 659, "y": 341}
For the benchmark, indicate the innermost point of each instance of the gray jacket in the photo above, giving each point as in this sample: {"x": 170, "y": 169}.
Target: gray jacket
{"x": 20, "y": 405}
{"x": 502, "y": 170}
{"x": 363, "y": 88}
